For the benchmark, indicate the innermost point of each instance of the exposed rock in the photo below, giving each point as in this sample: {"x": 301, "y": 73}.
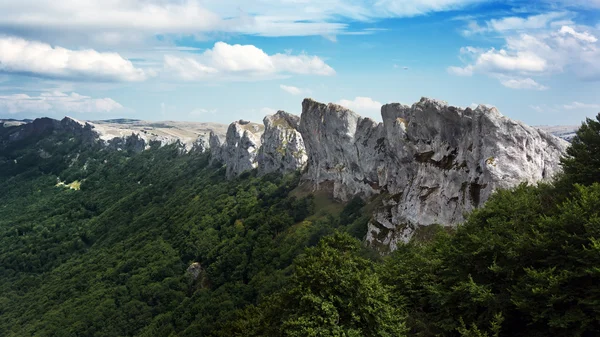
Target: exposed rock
{"x": 215, "y": 145}
{"x": 431, "y": 161}
{"x": 239, "y": 151}
{"x": 342, "y": 147}
{"x": 201, "y": 145}
{"x": 133, "y": 142}
{"x": 282, "y": 147}
{"x": 121, "y": 134}
{"x": 428, "y": 163}
{"x": 195, "y": 271}
{"x": 42, "y": 126}
{"x": 188, "y": 134}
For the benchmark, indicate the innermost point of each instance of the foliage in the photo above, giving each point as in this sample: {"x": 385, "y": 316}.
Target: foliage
{"x": 332, "y": 292}
{"x": 110, "y": 259}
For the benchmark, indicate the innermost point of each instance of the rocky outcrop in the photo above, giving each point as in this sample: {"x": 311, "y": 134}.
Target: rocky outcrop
{"x": 342, "y": 148}
{"x": 42, "y": 126}
{"x": 195, "y": 270}
{"x": 239, "y": 151}
{"x": 119, "y": 134}
{"x": 282, "y": 147}
{"x": 425, "y": 164}
{"x": 430, "y": 162}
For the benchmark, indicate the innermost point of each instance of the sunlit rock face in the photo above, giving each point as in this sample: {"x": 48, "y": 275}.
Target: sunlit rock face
{"x": 240, "y": 148}
{"x": 429, "y": 162}
{"x": 282, "y": 147}
{"x": 424, "y": 164}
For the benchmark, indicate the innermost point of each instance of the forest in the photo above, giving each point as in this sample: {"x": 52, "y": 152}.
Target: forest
{"x": 98, "y": 242}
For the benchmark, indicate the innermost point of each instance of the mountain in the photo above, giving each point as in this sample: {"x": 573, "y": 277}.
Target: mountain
{"x": 429, "y": 163}
{"x": 261, "y": 230}
{"x": 566, "y": 132}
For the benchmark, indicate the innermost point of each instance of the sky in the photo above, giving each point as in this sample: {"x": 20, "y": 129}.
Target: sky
{"x": 224, "y": 60}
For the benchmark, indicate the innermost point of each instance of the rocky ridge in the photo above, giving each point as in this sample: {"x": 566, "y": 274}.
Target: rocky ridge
{"x": 425, "y": 164}
{"x": 239, "y": 149}
{"x": 120, "y": 134}
{"x": 429, "y": 163}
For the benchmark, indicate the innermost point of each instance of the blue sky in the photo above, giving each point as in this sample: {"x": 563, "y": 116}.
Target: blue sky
{"x": 223, "y": 60}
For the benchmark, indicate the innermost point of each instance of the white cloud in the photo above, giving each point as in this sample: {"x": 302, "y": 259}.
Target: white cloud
{"x": 117, "y": 21}
{"x": 535, "y": 53}
{"x": 522, "y": 83}
{"x": 460, "y": 71}
{"x": 537, "y": 108}
{"x": 517, "y": 23}
{"x": 361, "y": 104}
{"x": 581, "y": 106}
{"x": 502, "y": 61}
{"x": 56, "y": 102}
{"x": 585, "y": 36}
{"x": 527, "y": 23}
{"x": 40, "y": 59}
{"x": 293, "y": 90}
{"x": 473, "y": 28}
{"x": 187, "y": 68}
{"x": 226, "y": 59}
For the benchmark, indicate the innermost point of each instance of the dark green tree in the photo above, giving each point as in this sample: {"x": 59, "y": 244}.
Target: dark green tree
{"x": 581, "y": 165}
{"x": 334, "y": 292}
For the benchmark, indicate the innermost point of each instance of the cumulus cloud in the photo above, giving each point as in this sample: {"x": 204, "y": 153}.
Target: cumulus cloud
{"x": 361, "y": 104}
{"x": 583, "y": 36}
{"x": 39, "y": 59}
{"x": 226, "y": 59}
{"x": 539, "y": 53}
{"x": 502, "y": 61}
{"x": 56, "y": 102}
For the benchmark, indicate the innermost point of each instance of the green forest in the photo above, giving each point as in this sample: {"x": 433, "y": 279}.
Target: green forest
{"x": 99, "y": 242}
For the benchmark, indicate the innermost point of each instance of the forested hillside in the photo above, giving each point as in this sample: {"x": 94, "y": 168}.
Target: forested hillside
{"x": 98, "y": 243}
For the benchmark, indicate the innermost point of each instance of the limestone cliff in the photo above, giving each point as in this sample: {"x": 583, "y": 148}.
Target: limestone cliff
{"x": 425, "y": 164}
{"x": 239, "y": 150}
{"x": 430, "y": 162}
{"x": 282, "y": 147}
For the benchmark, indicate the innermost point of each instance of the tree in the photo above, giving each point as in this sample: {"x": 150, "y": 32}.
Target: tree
{"x": 582, "y": 163}
{"x": 334, "y": 292}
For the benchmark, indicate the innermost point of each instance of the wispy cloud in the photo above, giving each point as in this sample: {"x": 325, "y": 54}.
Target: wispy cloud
{"x": 581, "y": 106}
{"x": 124, "y": 21}
{"x": 57, "y": 102}
{"x": 293, "y": 90}
{"x": 522, "y": 83}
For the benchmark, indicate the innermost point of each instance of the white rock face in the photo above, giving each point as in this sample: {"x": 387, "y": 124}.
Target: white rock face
{"x": 282, "y": 147}
{"x": 240, "y": 149}
{"x": 138, "y": 135}
{"x": 430, "y": 162}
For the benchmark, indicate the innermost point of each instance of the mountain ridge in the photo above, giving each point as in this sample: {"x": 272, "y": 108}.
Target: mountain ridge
{"x": 427, "y": 163}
